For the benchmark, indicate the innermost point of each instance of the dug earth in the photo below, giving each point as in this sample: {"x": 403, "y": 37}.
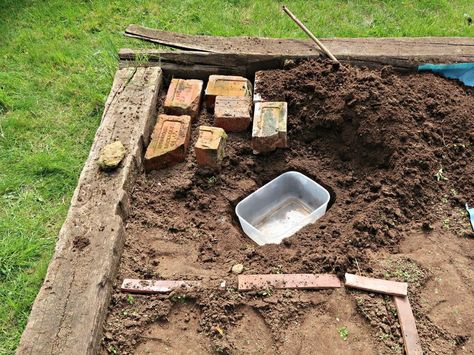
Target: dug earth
{"x": 394, "y": 150}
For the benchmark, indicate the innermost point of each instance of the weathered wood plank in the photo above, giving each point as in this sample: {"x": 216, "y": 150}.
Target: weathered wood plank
{"x": 195, "y": 64}
{"x": 403, "y": 52}
{"x": 411, "y": 339}
{"x": 155, "y": 286}
{"x": 200, "y": 65}
{"x": 287, "y": 281}
{"x": 69, "y": 310}
{"x": 376, "y": 285}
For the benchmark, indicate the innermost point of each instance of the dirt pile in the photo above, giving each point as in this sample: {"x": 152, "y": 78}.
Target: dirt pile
{"x": 395, "y": 151}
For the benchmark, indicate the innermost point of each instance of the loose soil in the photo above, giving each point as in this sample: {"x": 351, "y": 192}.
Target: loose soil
{"x": 394, "y": 150}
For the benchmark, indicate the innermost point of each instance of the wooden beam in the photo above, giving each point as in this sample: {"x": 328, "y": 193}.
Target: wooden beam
{"x": 400, "y": 52}
{"x": 71, "y": 305}
{"x": 199, "y": 65}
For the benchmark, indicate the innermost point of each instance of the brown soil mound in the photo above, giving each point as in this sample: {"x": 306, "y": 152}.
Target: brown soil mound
{"x": 395, "y": 151}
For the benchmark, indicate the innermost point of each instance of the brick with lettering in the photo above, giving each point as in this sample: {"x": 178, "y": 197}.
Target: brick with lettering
{"x": 169, "y": 142}
{"x": 184, "y": 97}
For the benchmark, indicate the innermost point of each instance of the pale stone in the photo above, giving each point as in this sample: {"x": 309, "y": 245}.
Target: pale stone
{"x": 111, "y": 155}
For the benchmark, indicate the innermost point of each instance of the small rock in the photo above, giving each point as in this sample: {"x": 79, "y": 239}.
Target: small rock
{"x": 111, "y": 155}
{"x": 237, "y": 268}
{"x": 288, "y": 63}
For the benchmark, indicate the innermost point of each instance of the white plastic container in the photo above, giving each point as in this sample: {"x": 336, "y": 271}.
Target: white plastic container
{"x": 280, "y": 208}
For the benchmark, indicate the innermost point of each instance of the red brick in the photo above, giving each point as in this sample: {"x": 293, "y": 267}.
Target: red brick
{"x": 299, "y": 281}
{"x": 210, "y": 147}
{"x": 184, "y": 97}
{"x": 408, "y": 326}
{"x": 154, "y": 286}
{"x": 269, "y": 126}
{"x": 376, "y": 285}
{"x": 232, "y": 113}
{"x": 226, "y": 85}
{"x": 169, "y": 142}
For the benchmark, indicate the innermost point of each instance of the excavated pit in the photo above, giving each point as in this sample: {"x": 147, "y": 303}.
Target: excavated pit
{"x": 395, "y": 152}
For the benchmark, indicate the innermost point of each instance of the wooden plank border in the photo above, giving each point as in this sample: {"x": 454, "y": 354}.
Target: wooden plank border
{"x": 70, "y": 308}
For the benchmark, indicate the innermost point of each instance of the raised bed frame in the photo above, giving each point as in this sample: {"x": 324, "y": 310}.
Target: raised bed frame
{"x": 70, "y": 308}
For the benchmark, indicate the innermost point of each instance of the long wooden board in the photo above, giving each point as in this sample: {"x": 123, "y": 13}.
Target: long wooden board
{"x": 71, "y": 306}
{"x": 288, "y": 281}
{"x": 376, "y": 285}
{"x": 411, "y": 340}
{"x": 400, "y": 52}
{"x": 199, "y": 65}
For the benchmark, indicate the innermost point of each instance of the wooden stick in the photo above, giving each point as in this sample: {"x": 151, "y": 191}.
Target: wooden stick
{"x": 308, "y": 32}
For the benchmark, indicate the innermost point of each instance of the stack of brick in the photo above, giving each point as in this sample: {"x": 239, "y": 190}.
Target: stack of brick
{"x": 226, "y": 85}
{"x": 231, "y": 99}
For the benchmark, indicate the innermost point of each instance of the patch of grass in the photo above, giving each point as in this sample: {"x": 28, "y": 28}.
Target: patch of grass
{"x": 405, "y": 270}
{"x": 57, "y": 61}
{"x": 440, "y": 175}
{"x": 179, "y": 298}
{"x": 343, "y": 333}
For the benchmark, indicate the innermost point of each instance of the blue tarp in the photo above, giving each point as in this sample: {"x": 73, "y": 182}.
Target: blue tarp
{"x": 462, "y": 71}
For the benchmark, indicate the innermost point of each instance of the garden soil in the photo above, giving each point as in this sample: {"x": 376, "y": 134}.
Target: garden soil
{"x": 396, "y": 153}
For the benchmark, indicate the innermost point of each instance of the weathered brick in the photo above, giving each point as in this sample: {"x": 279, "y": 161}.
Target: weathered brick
{"x": 154, "y": 286}
{"x": 169, "y": 142}
{"x": 226, "y": 85}
{"x": 257, "y": 97}
{"x": 184, "y": 97}
{"x": 411, "y": 339}
{"x": 210, "y": 147}
{"x": 376, "y": 285}
{"x": 269, "y": 126}
{"x": 232, "y": 113}
{"x": 300, "y": 281}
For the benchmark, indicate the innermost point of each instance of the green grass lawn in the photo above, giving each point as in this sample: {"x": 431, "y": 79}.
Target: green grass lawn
{"x": 57, "y": 61}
